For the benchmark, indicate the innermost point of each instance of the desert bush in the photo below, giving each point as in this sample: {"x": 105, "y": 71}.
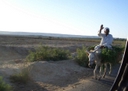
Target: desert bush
{"x": 82, "y": 57}
{"x": 22, "y": 77}
{"x": 4, "y": 86}
{"x": 91, "y": 47}
{"x": 112, "y": 55}
{"x": 48, "y": 53}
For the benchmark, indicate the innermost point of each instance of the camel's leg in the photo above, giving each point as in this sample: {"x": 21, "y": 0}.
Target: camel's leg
{"x": 110, "y": 68}
{"x": 105, "y": 68}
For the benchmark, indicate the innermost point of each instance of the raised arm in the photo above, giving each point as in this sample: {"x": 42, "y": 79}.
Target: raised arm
{"x": 101, "y": 27}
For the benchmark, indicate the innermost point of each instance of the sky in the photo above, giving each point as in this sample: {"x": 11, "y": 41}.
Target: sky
{"x": 76, "y": 17}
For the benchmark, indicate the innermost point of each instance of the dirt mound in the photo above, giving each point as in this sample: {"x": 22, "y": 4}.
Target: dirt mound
{"x": 58, "y": 73}
{"x": 47, "y": 74}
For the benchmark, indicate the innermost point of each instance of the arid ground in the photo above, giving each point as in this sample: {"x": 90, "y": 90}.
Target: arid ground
{"x": 65, "y": 75}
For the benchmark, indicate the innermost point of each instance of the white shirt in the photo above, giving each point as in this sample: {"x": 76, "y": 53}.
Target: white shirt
{"x": 106, "y": 40}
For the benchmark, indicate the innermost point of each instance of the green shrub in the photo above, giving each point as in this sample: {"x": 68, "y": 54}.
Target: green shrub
{"x": 22, "y": 77}
{"x": 82, "y": 57}
{"x": 48, "y": 53}
{"x": 90, "y": 48}
{"x": 4, "y": 86}
{"x": 113, "y": 55}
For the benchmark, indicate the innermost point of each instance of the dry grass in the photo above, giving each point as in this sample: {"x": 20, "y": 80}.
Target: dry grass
{"x": 4, "y": 86}
{"x": 23, "y": 76}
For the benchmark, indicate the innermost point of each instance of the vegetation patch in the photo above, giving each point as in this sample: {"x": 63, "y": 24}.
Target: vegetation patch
{"x": 22, "y": 77}
{"x": 4, "y": 86}
{"x": 82, "y": 57}
{"x": 112, "y": 55}
{"x": 48, "y": 53}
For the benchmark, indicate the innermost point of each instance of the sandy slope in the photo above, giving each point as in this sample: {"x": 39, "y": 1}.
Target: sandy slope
{"x": 58, "y": 72}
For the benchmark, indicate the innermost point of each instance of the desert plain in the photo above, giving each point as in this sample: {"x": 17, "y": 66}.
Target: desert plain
{"x": 63, "y": 75}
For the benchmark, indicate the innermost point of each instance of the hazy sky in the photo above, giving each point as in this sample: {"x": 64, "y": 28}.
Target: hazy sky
{"x": 80, "y": 17}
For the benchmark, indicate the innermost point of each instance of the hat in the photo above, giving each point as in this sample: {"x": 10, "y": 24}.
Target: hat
{"x": 107, "y": 29}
